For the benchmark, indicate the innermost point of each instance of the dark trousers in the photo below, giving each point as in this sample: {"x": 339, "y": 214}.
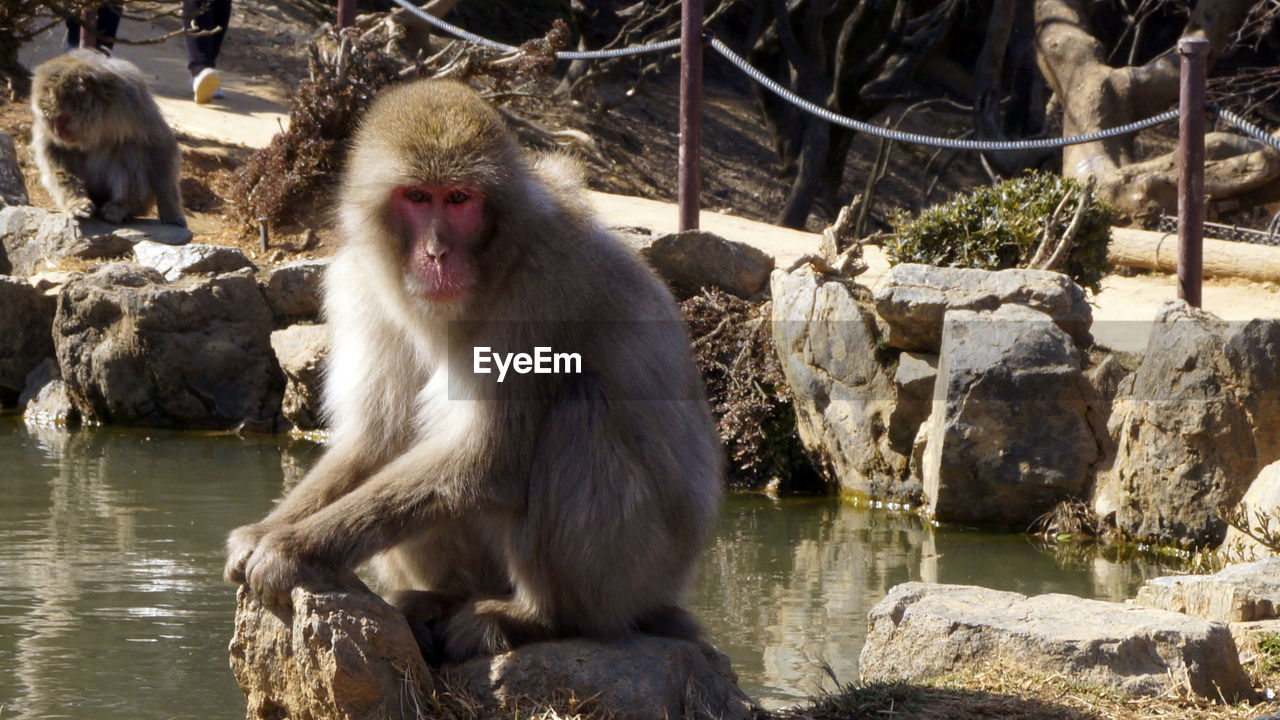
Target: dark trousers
{"x": 202, "y": 52}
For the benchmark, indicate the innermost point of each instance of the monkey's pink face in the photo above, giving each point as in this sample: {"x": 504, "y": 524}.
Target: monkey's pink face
{"x": 444, "y": 226}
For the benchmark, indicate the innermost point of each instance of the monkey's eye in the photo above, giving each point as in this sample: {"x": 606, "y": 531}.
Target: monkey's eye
{"x": 415, "y": 195}
{"x": 458, "y": 197}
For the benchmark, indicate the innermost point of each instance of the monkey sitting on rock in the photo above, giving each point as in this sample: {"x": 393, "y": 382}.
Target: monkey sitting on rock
{"x": 100, "y": 142}
{"x": 504, "y": 510}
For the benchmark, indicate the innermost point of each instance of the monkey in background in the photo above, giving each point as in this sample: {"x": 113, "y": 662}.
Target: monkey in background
{"x": 541, "y": 507}
{"x": 100, "y": 141}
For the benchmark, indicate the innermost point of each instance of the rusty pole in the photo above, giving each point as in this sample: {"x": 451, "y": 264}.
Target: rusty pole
{"x": 1194, "y": 54}
{"x": 690, "y": 112}
{"x": 346, "y": 13}
{"x": 88, "y": 24}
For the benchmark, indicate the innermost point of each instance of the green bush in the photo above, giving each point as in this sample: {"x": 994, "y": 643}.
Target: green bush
{"x": 998, "y": 227}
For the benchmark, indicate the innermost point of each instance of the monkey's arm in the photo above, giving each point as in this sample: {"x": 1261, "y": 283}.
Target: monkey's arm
{"x": 165, "y": 176}
{"x": 337, "y": 472}
{"x": 57, "y": 172}
{"x": 416, "y": 489}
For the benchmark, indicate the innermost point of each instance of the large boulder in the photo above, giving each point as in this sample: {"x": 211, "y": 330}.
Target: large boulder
{"x": 294, "y": 291}
{"x": 135, "y": 349}
{"x": 1009, "y": 436}
{"x": 340, "y": 655}
{"x": 36, "y": 240}
{"x": 13, "y": 189}
{"x": 1245, "y": 592}
{"x": 914, "y": 299}
{"x": 1194, "y": 424}
{"x": 922, "y": 631}
{"x": 174, "y": 261}
{"x": 637, "y": 679}
{"x": 26, "y": 337}
{"x": 1261, "y": 505}
{"x": 351, "y": 655}
{"x": 827, "y": 343}
{"x": 301, "y": 351}
{"x": 691, "y": 260}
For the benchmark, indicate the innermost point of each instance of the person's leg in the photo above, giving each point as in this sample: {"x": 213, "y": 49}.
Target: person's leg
{"x": 107, "y": 25}
{"x": 202, "y": 52}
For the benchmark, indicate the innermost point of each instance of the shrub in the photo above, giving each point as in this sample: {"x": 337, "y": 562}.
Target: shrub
{"x": 1000, "y": 226}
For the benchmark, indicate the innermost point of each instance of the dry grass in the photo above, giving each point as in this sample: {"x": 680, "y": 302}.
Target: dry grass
{"x": 1010, "y": 694}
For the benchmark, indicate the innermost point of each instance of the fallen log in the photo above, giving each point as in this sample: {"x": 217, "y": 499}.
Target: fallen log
{"x": 1222, "y": 258}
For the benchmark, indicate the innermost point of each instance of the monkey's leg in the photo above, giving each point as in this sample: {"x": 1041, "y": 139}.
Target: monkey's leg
{"x": 165, "y": 176}
{"x": 59, "y": 176}
{"x": 492, "y": 626}
{"x": 427, "y": 612}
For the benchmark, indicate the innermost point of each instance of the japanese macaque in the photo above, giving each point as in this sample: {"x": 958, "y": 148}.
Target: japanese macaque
{"x": 100, "y": 141}
{"x": 552, "y": 503}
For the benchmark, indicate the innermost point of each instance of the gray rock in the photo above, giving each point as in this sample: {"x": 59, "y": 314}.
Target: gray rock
{"x": 26, "y": 324}
{"x": 922, "y": 631}
{"x": 1263, "y": 497}
{"x": 1244, "y": 592}
{"x": 293, "y": 291}
{"x": 134, "y": 349}
{"x": 42, "y": 374}
{"x": 1193, "y": 425}
{"x": 332, "y": 655}
{"x": 914, "y": 299}
{"x": 13, "y": 189}
{"x": 637, "y": 679}
{"x": 175, "y": 261}
{"x": 36, "y": 240}
{"x": 52, "y": 405}
{"x": 913, "y": 381}
{"x": 1009, "y": 437}
{"x": 692, "y": 260}
{"x": 826, "y": 342}
{"x": 301, "y": 351}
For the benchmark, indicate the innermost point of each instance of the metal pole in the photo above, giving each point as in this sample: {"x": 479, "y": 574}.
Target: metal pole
{"x": 690, "y": 112}
{"x": 88, "y": 24}
{"x": 346, "y": 13}
{"x": 1194, "y": 54}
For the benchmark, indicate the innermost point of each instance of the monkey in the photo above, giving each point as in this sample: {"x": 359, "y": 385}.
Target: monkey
{"x": 100, "y": 141}
{"x": 500, "y": 513}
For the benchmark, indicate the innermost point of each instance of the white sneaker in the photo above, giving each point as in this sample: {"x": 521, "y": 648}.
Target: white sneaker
{"x": 206, "y": 85}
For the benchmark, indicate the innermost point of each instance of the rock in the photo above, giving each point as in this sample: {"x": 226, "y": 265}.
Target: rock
{"x": 343, "y": 655}
{"x": 692, "y": 260}
{"x": 913, "y": 382}
{"x": 13, "y": 189}
{"x": 35, "y": 240}
{"x": 1247, "y": 635}
{"x": 1009, "y": 437}
{"x": 914, "y": 299}
{"x": 293, "y": 291}
{"x": 134, "y": 349}
{"x": 1263, "y": 496}
{"x": 52, "y": 405}
{"x": 923, "y": 631}
{"x": 50, "y": 283}
{"x": 1193, "y": 425}
{"x": 826, "y": 342}
{"x": 26, "y": 324}
{"x": 175, "y": 261}
{"x": 301, "y": 351}
{"x": 1238, "y": 593}
{"x": 637, "y": 679}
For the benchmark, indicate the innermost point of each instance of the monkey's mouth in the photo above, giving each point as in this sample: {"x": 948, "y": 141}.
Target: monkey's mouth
{"x": 60, "y": 129}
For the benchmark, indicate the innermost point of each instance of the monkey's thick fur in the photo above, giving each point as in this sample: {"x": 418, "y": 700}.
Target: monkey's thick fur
{"x": 100, "y": 141}
{"x": 545, "y": 506}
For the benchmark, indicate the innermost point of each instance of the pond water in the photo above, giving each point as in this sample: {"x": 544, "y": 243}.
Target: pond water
{"x": 112, "y": 604}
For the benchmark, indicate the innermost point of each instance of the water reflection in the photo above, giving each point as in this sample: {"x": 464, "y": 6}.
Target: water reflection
{"x": 112, "y": 604}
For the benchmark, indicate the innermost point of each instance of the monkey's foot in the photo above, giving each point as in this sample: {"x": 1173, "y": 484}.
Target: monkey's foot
{"x": 427, "y": 612}
{"x": 113, "y": 212}
{"x": 81, "y": 208}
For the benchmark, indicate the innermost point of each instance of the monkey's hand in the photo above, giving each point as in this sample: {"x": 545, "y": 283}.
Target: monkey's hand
{"x": 281, "y": 562}
{"x": 240, "y": 545}
{"x": 113, "y": 212}
{"x": 81, "y": 208}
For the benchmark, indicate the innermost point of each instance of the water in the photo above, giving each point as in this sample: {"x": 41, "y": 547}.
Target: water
{"x": 112, "y": 604}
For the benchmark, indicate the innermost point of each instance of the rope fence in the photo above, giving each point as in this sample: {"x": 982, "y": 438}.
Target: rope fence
{"x": 1193, "y": 71}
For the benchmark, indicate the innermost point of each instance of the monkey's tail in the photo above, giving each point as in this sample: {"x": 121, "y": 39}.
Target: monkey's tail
{"x": 669, "y": 621}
